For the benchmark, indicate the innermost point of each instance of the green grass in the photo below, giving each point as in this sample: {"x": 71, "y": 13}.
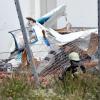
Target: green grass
{"x": 84, "y": 87}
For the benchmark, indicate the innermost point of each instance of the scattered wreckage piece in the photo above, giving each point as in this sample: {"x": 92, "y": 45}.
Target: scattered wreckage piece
{"x": 25, "y": 62}
{"x": 66, "y": 38}
{"x": 92, "y": 48}
{"x": 57, "y": 60}
{"x": 5, "y": 66}
{"x": 62, "y": 57}
{"x": 69, "y": 29}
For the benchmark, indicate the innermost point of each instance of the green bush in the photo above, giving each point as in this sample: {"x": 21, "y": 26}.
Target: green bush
{"x": 84, "y": 87}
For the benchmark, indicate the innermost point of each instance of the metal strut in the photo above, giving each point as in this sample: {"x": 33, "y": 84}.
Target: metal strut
{"x": 24, "y": 32}
{"x": 99, "y": 32}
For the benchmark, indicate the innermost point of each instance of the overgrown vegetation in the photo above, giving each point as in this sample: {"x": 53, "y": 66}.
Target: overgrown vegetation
{"x": 84, "y": 87}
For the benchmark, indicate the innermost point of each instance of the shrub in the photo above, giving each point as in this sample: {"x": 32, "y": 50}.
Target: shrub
{"x": 84, "y": 87}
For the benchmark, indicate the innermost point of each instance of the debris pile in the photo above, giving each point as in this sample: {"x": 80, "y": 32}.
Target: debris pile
{"x": 60, "y": 57}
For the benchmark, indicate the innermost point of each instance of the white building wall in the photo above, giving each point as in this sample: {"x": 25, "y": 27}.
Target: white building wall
{"x": 8, "y": 14}
{"x": 47, "y": 5}
{"x": 37, "y": 8}
{"x": 9, "y": 21}
{"x": 26, "y": 8}
{"x": 80, "y": 12}
{"x": 51, "y": 4}
{"x": 43, "y": 7}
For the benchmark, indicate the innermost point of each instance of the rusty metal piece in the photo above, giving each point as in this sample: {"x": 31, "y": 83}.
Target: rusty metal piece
{"x": 66, "y": 29}
{"x": 69, "y": 29}
{"x": 25, "y": 60}
{"x": 90, "y": 64}
{"x": 92, "y": 48}
{"x": 36, "y": 62}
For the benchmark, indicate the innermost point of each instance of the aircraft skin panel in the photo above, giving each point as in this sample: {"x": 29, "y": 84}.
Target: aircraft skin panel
{"x": 70, "y": 37}
{"x": 50, "y": 17}
{"x": 42, "y": 20}
{"x": 16, "y": 45}
{"x": 47, "y": 19}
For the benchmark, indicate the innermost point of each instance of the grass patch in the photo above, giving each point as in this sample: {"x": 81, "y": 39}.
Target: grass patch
{"x": 84, "y": 87}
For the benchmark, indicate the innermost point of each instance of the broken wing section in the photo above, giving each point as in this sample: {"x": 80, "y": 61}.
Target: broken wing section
{"x": 49, "y": 19}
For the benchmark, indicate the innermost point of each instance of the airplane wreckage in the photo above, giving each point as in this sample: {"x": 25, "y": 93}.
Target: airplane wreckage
{"x": 62, "y": 41}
